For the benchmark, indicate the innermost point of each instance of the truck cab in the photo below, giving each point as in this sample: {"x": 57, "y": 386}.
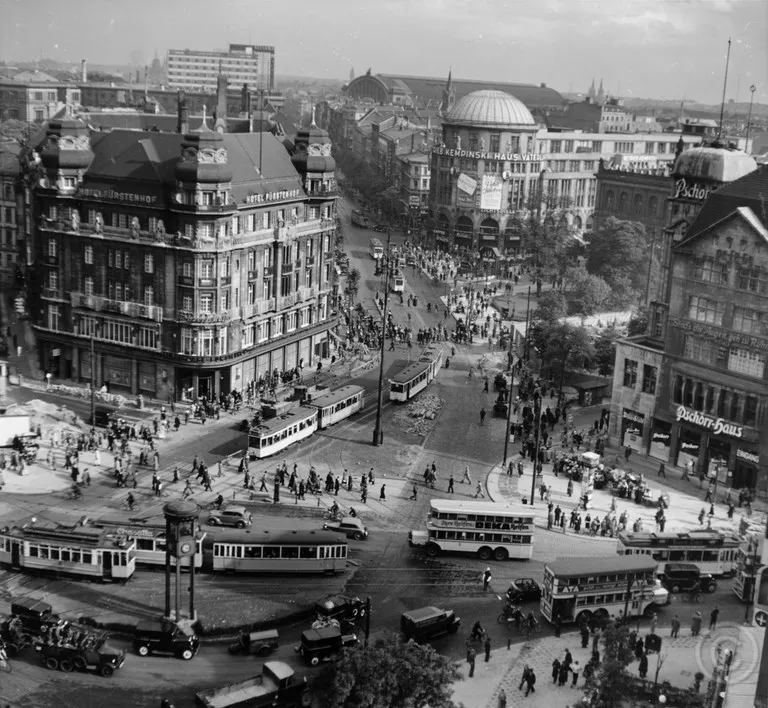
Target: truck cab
{"x": 323, "y": 644}
{"x": 36, "y": 617}
{"x": 165, "y": 638}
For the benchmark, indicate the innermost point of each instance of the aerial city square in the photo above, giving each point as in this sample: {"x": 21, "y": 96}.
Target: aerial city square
{"x": 333, "y": 388}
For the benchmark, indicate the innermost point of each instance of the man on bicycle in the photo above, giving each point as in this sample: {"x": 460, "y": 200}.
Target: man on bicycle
{"x": 478, "y": 632}
{"x": 696, "y": 591}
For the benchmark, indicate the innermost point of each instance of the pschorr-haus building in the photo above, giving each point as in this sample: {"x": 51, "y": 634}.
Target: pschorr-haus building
{"x": 192, "y": 262}
{"x": 693, "y": 391}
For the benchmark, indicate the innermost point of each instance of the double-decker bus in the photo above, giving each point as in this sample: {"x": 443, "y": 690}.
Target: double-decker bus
{"x": 486, "y": 529}
{"x": 747, "y": 563}
{"x": 377, "y": 250}
{"x": 578, "y": 589}
{"x": 257, "y": 551}
{"x": 276, "y": 434}
{"x": 417, "y": 376}
{"x": 712, "y": 551}
{"x": 360, "y": 219}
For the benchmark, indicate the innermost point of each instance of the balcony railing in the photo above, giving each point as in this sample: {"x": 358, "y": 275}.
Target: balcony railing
{"x": 207, "y": 317}
{"x": 117, "y": 307}
{"x": 253, "y": 274}
{"x": 287, "y": 301}
{"x": 287, "y": 267}
{"x": 269, "y": 270}
{"x": 50, "y": 260}
{"x": 310, "y": 260}
{"x": 186, "y": 280}
{"x": 52, "y": 294}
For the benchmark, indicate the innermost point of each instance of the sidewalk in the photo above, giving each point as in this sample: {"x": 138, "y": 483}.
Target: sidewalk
{"x": 681, "y": 658}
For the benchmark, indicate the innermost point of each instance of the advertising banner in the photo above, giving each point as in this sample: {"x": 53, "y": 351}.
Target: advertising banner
{"x": 467, "y": 184}
{"x": 490, "y": 192}
{"x": 661, "y": 436}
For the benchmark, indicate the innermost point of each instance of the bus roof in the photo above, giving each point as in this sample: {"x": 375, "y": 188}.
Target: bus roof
{"x": 670, "y": 538}
{"x": 578, "y": 567}
{"x": 283, "y": 421}
{"x": 281, "y": 537}
{"x": 337, "y": 395}
{"x": 410, "y": 372}
{"x": 478, "y": 507}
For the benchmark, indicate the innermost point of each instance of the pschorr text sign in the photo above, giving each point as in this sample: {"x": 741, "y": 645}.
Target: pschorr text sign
{"x": 480, "y": 155}
{"x": 717, "y": 425}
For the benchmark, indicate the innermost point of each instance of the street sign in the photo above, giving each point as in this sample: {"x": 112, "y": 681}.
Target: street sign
{"x": 570, "y": 419}
{"x": 56, "y": 352}
{"x": 19, "y": 305}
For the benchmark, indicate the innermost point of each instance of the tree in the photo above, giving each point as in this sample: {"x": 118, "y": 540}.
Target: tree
{"x": 353, "y": 284}
{"x": 605, "y": 350}
{"x": 618, "y": 253}
{"x": 588, "y": 293}
{"x": 389, "y": 674}
{"x": 550, "y": 307}
{"x": 638, "y": 323}
{"x": 607, "y": 686}
{"x": 561, "y": 345}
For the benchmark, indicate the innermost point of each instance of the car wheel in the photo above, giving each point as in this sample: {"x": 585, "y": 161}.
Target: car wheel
{"x": 213, "y": 521}
{"x": 51, "y": 663}
{"x": 314, "y": 661}
{"x": 502, "y": 618}
{"x": 484, "y": 553}
{"x": 306, "y": 699}
{"x": 80, "y": 663}
{"x": 500, "y": 554}
{"x": 107, "y": 671}
{"x": 453, "y": 628}
{"x": 240, "y": 524}
{"x": 264, "y": 651}
{"x": 325, "y": 527}
{"x": 711, "y": 588}
{"x": 143, "y": 650}
{"x": 675, "y": 588}
{"x": 187, "y": 654}
{"x": 65, "y": 665}
{"x": 357, "y": 536}
{"x": 433, "y": 550}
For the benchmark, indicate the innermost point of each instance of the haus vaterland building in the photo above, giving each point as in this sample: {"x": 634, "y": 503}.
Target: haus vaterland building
{"x": 192, "y": 262}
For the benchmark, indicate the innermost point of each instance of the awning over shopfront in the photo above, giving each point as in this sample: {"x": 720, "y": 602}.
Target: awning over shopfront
{"x": 490, "y": 253}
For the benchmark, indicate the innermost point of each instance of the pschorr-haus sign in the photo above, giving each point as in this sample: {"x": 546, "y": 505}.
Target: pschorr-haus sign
{"x": 717, "y": 425}
{"x": 479, "y": 155}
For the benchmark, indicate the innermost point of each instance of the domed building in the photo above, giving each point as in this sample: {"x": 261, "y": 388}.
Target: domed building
{"x": 482, "y": 174}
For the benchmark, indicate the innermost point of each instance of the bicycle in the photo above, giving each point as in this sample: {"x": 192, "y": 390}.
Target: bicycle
{"x": 696, "y": 596}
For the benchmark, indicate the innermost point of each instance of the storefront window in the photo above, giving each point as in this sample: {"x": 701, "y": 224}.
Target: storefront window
{"x": 734, "y": 409}
{"x": 750, "y": 410}
{"x": 688, "y": 446}
{"x": 698, "y": 397}
{"x": 677, "y": 390}
{"x": 709, "y": 401}
{"x": 688, "y": 392}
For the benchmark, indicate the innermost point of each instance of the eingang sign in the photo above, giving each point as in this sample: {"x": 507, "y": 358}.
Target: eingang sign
{"x": 717, "y": 425}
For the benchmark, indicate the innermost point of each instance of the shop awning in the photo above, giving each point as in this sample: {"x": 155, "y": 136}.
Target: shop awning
{"x": 491, "y": 252}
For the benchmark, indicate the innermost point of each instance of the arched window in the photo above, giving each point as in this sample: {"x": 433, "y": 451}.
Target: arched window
{"x": 609, "y": 200}
{"x": 638, "y": 205}
{"x": 577, "y": 223}
{"x": 653, "y": 206}
{"x": 464, "y": 225}
{"x": 489, "y": 227}
{"x": 590, "y": 222}
{"x": 623, "y": 203}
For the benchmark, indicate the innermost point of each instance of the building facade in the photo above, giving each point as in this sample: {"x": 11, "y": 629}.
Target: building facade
{"x": 414, "y": 187}
{"x": 11, "y": 216}
{"x": 192, "y": 263}
{"x": 194, "y": 70}
{"x": 693, "y": 391}
{"x": 34, "y": 97}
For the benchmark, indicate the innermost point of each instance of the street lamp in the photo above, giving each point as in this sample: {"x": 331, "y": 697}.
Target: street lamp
{"x": 93, "y": 374}
{"x": 536, "y": 438}
{"x": 378, "y": 434}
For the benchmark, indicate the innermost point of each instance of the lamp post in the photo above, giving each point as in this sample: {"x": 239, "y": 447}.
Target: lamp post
{"x": 536, "y": 438}
{"x": 93, "y": 375}
{"x": 752, "y": 90}
{"x": 509, "y": 401}
{"x": 378, "y": 434}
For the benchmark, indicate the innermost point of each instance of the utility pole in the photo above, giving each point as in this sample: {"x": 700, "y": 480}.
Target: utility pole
{"x": 527, "y": 324}
{"x": 93, "y": 377}
{"x": 537, "y": 439}
{"x": 509, "y": 397}
{"x": 378, "y": 434}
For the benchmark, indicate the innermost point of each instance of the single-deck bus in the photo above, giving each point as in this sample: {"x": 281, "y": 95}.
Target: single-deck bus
{"x": 276, "y": 434}
{"x": 712, "y": 551}
{"x": 487, "y": 529}
{"x": 578, "y": 589}
{"x": 255, "y": 551}
{"x": 398, "y": 282}
{"x": 377, "y": 250}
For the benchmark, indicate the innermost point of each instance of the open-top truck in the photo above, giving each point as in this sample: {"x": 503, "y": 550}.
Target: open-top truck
{"x": 277, "y": 686}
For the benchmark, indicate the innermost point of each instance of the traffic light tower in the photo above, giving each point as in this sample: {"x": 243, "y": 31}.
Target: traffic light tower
{"x": 181, "y": 534}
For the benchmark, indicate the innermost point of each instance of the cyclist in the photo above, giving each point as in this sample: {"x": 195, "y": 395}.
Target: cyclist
{"x": 477, "y": 631}
{"x": 334, "y": 510}
{"x": 219, "y": 501}
{"x": 696, "y": 592}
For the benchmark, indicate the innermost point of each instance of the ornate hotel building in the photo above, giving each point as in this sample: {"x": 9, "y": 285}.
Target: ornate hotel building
{"x": 192, "y": 262}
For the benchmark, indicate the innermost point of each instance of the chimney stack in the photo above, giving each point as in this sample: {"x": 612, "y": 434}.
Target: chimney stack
{"x": 84, "y": 70}
{"x": 181, "y": 112}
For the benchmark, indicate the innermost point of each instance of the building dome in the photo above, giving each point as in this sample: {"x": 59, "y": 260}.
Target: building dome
{"x": 715, "y": 164}
{"x": 489, "y": 108}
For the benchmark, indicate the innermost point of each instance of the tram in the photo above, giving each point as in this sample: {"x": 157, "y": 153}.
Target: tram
{"x": 150, "y": 541}
{"x": 278, "y": 433}
{"x": 338, "y": 405}
{"x": 417, "y": 376}
{"x": 256, "y": 551}
{"x": 74, "y": 550}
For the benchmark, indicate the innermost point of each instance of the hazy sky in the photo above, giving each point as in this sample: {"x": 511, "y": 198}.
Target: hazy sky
{"x": 658, "y": 48}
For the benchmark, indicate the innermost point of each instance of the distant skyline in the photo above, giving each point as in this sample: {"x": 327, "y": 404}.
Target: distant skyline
{"x": 665, "y": 49}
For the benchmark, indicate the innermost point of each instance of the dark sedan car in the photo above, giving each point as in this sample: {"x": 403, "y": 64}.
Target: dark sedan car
{"x": 524, "y": 590}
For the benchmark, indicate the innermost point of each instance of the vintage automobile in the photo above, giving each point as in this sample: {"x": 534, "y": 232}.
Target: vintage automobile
{"x": 323, "y": 644}
{"x": 340, "y": 609}
{"x": 259, "y": 643}
{"x": 351, "y": 526}
{"x": 523, "y": 590}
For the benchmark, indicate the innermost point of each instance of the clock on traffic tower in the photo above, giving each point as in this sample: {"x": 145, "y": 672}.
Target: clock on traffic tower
{"x": 181, "y": 533}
